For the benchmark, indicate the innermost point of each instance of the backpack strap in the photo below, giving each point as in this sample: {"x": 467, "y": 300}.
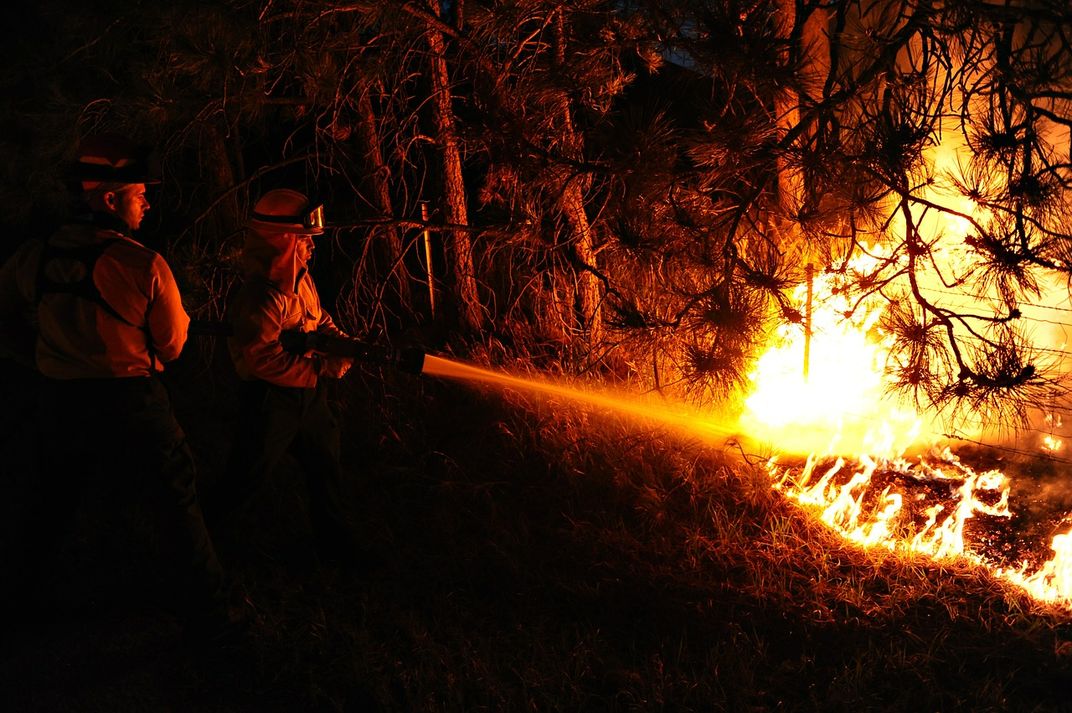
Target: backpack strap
{"x": 81, "y": 285}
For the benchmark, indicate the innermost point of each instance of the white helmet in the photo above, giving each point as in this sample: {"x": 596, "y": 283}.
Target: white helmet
{"x": 286, "y": 211}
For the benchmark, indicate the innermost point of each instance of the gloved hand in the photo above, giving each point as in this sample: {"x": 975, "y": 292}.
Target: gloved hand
{"x": 335, "y": 367}
{"x": 294, "y": 341}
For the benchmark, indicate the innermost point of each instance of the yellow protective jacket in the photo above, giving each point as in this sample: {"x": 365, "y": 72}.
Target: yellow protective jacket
{"x": 133, "y": 322}
{"x": 277, "y": 294}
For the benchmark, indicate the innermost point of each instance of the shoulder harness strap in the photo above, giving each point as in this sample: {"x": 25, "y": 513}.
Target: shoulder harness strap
{"x": 80, "y": 285}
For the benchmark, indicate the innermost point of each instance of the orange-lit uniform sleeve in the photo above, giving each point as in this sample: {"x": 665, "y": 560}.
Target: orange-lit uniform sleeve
{"x": 258, "y": 315}
{"x": 163, "y": 323}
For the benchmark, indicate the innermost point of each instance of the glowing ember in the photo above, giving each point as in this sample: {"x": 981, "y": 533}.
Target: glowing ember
{"x": 1050, "y": 442}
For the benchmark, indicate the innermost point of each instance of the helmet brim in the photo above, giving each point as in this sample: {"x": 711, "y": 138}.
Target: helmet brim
{"x": 309, "y": 222}
{"x": 266, "y": 227}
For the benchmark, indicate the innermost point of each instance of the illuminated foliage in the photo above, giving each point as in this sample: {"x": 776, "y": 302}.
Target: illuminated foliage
{"x": 642, "y": 182}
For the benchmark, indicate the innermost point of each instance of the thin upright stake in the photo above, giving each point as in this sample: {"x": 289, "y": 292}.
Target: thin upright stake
{"x": 810, "y": 271}
{"x": 428, "y": 258}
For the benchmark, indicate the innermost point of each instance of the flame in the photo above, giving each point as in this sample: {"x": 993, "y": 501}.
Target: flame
{"x": 1052, "y": 444}
{"x": 846, "y": 506}
{"x": 844, "y": 500}
{"x": 870, "y": 500}
{"x": 843, "y": 403}
{"x": 1052, "y": 582}
{"x": 878, "y": 497}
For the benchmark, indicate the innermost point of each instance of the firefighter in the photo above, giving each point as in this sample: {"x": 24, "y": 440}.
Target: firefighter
{"x": 283, "y": 403}
{"x": 97, "y": 314}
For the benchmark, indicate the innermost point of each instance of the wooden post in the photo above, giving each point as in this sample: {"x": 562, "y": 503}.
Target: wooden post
{"x": 428, "y": 269}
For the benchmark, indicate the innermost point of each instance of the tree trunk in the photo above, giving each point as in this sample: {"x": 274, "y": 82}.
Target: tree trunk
{"x": 458, "y": 244}
{"x": 787, "y": 114}
{"x": 805, "y": 44}
{"x": 388, "y": 243}
{"x": 807, "y": 52}
{"x": 588, "y": 296}
{"x": 572, "y": 205}
{"x": 216, "y": 160}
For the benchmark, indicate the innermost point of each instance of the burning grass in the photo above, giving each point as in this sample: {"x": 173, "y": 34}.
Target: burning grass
{"x": 538, "y": 556}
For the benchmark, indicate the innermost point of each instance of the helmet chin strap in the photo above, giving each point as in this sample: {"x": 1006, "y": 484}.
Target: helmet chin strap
{"x": 299, "y": 275}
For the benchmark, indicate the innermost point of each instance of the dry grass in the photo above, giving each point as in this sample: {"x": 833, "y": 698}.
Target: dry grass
{"x": 537, "y": 557}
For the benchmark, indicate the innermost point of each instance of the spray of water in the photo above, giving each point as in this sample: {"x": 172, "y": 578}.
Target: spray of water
{"x": 678, "y": 417}
{"x": 1051, "y": 583}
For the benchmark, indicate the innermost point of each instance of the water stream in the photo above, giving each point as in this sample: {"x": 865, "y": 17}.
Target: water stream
{"x": 632, "y": 405}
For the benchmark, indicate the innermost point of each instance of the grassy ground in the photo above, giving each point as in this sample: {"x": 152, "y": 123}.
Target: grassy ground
{"x": 533, "y": 557}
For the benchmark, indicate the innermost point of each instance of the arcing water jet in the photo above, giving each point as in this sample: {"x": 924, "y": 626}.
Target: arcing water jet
{"x": 691, "y": 421}
{"x": 416, "y": 361}
{"x": 839, "y": 503}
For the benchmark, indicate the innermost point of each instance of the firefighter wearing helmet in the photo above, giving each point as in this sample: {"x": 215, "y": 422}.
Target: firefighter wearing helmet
{"x": 98, "y": 314}
{"x": 283, "y": 403}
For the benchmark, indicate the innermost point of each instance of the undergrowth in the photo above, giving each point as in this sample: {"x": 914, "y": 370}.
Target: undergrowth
{"x": 532, "y": 555}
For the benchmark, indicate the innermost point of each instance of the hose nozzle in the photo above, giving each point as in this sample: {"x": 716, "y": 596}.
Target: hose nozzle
{"x": 410, "y": 360}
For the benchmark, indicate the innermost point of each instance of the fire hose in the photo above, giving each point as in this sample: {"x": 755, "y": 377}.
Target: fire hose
{"x": 409, "y": 359}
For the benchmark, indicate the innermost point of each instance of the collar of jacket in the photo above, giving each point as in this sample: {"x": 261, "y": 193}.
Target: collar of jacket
{"x": 106, "y": 221}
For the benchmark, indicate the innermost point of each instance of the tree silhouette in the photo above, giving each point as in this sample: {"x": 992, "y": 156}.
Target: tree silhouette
{"x": 635, "y": 185}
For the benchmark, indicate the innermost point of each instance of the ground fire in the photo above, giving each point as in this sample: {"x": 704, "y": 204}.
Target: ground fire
{"x": 824, "y": 391}
{"x": 861, "y": 482}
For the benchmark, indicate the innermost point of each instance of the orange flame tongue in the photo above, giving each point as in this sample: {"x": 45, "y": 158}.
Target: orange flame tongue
{"x": 842, "y": 403}
{"x": 841, "y": 407}
{"x": 849, "y": 507}
{"x": 1052, "y": 582}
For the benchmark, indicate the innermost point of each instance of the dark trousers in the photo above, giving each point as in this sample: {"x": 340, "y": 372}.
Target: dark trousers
{"x": 121, "y": 433}
{"x": 272, "y": 421}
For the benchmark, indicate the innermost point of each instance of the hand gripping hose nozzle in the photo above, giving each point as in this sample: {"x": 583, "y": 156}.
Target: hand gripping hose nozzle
{"x": 410, "y": 359}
